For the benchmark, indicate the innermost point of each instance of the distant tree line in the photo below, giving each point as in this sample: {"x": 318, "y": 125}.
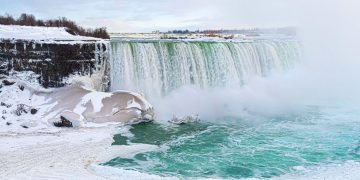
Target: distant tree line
{"x": 186, "y": 31}
{"x": 71, "y": 26}
{"x": 180, "y": 31}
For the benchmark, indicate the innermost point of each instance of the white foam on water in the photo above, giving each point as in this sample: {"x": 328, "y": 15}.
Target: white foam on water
{"x": 129, "y": 151}
{"x": 347, "y": 171}
{"x": 120, "y": 173}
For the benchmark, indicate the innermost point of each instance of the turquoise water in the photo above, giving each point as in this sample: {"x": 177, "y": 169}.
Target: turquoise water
{"x": 253, "y": 146}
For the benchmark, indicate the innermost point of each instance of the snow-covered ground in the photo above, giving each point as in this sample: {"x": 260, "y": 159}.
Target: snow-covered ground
{"x": 25, "y": 106}
{"x": 33, "y": 148}
{"x": 64, "y": 154}
{"x": 39, "y": 34}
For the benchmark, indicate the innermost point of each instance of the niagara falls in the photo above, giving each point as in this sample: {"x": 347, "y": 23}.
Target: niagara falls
{"x": 180, "y": 89}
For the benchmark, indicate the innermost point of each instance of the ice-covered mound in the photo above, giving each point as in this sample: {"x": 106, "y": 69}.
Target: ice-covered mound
{"x": 26, "y": 105}
{"x": 101, "y": 107}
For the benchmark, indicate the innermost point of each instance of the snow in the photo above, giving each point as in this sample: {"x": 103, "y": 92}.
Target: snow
{"x": 95, "y": 98}
{"x": 132, "y": 104}
{"x": 146, "y": 103}
{"x": 26, "y": 94}
{"x": 12, "y": 97}
{"x": 65, "y": 154}
{"x": 42, "y": 151}
{"x": 40, "y": 33}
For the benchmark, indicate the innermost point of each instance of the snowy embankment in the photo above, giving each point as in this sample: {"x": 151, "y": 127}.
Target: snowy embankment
{"x": 40, "y": 33}
{"x": 26, "y": 106}
{"x": 32, "y": 147}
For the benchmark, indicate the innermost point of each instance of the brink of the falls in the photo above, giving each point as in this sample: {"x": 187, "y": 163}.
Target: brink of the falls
{"x": 157, "y": 67}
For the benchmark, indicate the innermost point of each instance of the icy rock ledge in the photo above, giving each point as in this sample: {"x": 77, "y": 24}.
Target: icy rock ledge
{"x": 27, "y": 106}
{"x": 184, "y": 119}
{"x": 81, "y": 106}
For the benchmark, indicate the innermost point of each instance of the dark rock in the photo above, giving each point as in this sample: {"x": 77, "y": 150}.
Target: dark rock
{"x": 24, "y": 126}
{"x": 21, "y": 87}
{"x": 20, "y": 109}
{"x": 55, "y": 61}
{"x": 63, "y": 123}
{"x": 8, "y": 123}
{"x": 3, "y": 117}
{"x": 4, "y": 104}
{"x": 7, "y": 83}
{"x": 33, "y": 111}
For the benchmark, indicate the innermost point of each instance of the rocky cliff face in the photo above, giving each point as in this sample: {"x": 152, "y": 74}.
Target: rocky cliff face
{"x": 55, "y": 61}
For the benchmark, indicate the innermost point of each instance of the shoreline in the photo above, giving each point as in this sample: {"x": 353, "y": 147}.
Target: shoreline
{"x": 32, "y": 148}
{"x": 76, "y": 153}
{"x": 63, "y": 154}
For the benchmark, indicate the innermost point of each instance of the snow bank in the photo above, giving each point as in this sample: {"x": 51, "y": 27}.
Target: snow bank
{"x": 95, "y": 98}
{"x": 32, "y": 148}
{"x": 65, "y": 154}
{"x": 17, "y": 102}
{"x": 27, "y": 107}
{"x": 349, "y": 170}
{"x": 40, "y": 33}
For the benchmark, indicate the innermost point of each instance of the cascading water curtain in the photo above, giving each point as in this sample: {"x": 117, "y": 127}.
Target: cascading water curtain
{"x": 157, "y": 68}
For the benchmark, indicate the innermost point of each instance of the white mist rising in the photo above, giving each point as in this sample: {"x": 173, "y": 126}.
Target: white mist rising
{"x": 329, "y": 74}
{"x": 330, "y": 34}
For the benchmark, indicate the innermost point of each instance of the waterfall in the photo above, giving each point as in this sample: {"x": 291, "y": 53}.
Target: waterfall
{"x": 156, "y": 68}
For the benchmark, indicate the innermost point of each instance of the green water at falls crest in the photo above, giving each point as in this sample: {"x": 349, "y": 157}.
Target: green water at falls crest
{"x": 159, "y": 67}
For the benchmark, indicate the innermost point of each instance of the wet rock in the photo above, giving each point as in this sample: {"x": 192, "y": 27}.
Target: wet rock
{"x": 8, "y": 123}
{"x": 3, "y": 117}
{"x": 33, "y": 111}
{"x": 24, "y": 126}
{"x": 69, "y": 119}
{"x": 6, "y": 105}
{"x": 21, "y": 108}
{"x": 7, "y": 82}
{"x": 55, "y": 61}
{"x": 21, "y": 87}
{"x": 63, "y": 123}
{"x": 74, "y": 118}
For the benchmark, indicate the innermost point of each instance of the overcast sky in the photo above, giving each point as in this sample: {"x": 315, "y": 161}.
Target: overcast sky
{"x": 149, "y": 15}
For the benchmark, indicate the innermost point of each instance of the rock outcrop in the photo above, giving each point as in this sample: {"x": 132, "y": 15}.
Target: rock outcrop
{"x": 55, "y": 61}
